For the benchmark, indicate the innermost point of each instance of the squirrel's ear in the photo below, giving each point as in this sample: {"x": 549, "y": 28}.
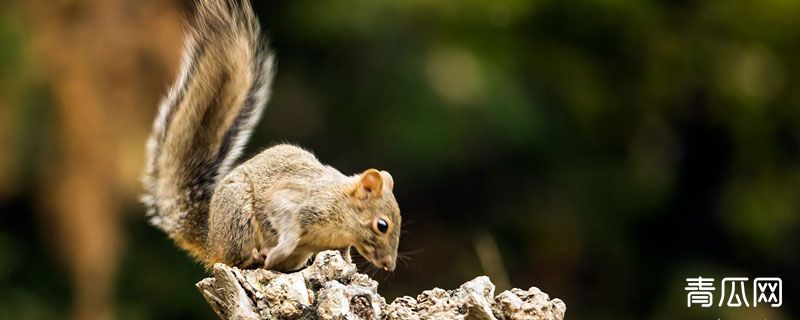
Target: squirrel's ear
{"x": 370, "y": 183}
{"x": 387, "y": 179}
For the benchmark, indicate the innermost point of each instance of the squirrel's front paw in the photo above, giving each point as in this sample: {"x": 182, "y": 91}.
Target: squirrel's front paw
{"x": 257, "y": 258}
{"x": 259, "y": 255}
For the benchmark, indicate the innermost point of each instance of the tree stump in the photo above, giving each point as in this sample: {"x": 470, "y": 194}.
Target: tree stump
{"x": 331, "y": 288}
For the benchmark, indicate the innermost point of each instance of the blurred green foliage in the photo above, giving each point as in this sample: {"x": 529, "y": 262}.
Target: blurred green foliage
{"x": 612, "y": 148}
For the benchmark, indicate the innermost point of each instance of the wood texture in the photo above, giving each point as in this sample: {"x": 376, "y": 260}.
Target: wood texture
{"x": 331, "y": 288}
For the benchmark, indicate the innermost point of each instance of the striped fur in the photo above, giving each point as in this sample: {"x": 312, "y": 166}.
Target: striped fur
{"x": 206, "y": 119}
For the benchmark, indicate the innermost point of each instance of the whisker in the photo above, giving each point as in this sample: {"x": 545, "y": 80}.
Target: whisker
{"x": 407, "y": 259}
{"x": 409, "y": 222}
{"x": 411, "y": 252}
{"x": 403, "y": 260}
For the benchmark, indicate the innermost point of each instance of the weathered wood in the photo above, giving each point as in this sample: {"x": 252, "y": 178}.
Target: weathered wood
{"x": 331, "y": 288}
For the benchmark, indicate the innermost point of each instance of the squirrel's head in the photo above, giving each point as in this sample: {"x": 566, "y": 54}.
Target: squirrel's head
{"x": 378, "y": 231}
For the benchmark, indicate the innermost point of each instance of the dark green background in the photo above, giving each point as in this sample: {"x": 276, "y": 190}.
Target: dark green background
{"x": 611, "y": 148}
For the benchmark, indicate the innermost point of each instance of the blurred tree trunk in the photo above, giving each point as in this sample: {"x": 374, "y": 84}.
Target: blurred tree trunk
{"x": 107, "y": 63}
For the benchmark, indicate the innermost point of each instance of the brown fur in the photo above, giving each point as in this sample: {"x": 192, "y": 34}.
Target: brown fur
{"x": 277, "y": 208}
{"x": 286, "y": 200}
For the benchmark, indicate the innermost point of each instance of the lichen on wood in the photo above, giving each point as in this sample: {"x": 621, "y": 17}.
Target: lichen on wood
{"x": 331, "y": 288}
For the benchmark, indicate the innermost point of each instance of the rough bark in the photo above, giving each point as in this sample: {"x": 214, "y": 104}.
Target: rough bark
{"x": 331, "y": 288}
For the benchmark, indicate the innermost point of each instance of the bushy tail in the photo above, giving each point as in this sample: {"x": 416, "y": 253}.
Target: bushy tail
{"x": 206, "y": 119}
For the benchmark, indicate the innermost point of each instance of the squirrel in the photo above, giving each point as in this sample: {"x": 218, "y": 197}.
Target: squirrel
{"x": 274, "y": 210}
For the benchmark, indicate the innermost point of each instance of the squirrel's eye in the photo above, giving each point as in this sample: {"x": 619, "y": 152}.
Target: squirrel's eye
{"x": 382, "y": 225}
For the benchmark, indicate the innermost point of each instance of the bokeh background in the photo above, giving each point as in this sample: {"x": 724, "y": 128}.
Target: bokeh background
{"x": 603, "y": 151}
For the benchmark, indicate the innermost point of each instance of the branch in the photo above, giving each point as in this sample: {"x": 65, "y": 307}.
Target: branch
{"x": 332, "y": 289}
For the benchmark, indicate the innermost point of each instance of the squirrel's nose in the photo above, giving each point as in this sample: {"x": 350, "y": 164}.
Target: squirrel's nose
{"x": 388, "y": 263}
